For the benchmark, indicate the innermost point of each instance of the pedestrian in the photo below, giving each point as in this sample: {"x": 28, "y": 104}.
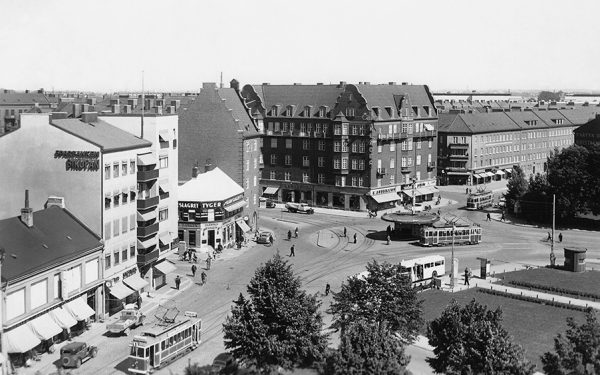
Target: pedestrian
{"x": 549, "y": 236}
{"x": 292, "y": 253}
{"x": 489, "y": 217}
{"x": 439, "y": 212}
{"x": 195, "y": 258}
{"x": 327, "y": 289}
{"x": 296, "y": 232}
{"x": 271, "y": 240}
{"x": 177, "y": 282}
{"x": 194, "y": 268}
{"x": 139, "y": 302}
{"x": 503, "y": 217}
{"x": 203, "y": 278}
{"x": 560, "y": 237}
{"x": 345, "y": 231}
{"x": 467, "y": 191}
{"x": 389, "y": 230}
{"x": 388, "y": 239}
{"x": 467, "y": 274}
{"x": 289, "y": 235}
{"x": 208, "y": 262}
{"x": 354, "y": 237}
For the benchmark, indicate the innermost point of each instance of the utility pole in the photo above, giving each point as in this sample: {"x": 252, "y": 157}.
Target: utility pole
{"x": 452, "y": 269}
{"x": 5, "y": 363}
{"x": 552, "y": 255}
{"x": 143, "y": 106}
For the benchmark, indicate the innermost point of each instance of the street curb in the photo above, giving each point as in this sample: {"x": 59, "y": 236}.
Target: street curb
{"x": 336, "y": 243}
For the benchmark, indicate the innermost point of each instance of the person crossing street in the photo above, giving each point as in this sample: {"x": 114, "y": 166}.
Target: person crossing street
{"x": 292, "y": 253}
{"x": 203, "y": 277}
{"x": 194, "y": 268}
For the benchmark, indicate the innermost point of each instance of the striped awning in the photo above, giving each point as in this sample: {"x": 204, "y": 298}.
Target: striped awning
{"x": 235, "y": 206}
{"x": 21, "y": 339}
{"x": 243, "y": 226}
{"x": 165, "y": 238}
{"x": 165, "y": 267}
{"x": 44, "y": 327}
{"x": 120, "y": 291}
{"x": 62, "y": 318}
{"x": 135, "y": 282}
{"x": 79, "y": 309}
{"x": 271, "y": 190}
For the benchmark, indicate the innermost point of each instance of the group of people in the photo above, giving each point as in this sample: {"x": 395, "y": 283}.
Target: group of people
{"x": 560, "y": 237}
{"x": 346, "y": 234}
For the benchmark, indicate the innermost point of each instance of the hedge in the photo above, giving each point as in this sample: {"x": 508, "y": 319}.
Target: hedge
{"x": 549, "y": 288}
{"x": 533, "y": 299}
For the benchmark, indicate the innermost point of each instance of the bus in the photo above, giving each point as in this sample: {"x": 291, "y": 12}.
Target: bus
{"x": 442, "y": 236}
{"x": 424, "y": 268}
{"x": 479, "y": 200}
{"x": 163, "y": 341}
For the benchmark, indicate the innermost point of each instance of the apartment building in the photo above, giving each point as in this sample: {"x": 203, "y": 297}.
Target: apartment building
{"x": 13, "y": 104}
{"x": 588, "y": 133}
{"x": 217, "y": 130}
{"x": 346, "y": 146}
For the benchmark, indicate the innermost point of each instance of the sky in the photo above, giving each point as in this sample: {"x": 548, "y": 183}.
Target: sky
{"x": 449, "y": 45}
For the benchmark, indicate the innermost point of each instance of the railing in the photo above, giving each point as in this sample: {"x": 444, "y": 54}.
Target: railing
{"x": 457, "y": 169}
{"x": 381, "y": 171}
{"x": 459, "y": 156}
{"x": 148, "y": 257}
{"x": 431, "y": 164}
{"x": 143, "y": 176}
{"x": 148, "y": 230}
{"x": 144, "y": 203}
{"x": 458, "y": 145}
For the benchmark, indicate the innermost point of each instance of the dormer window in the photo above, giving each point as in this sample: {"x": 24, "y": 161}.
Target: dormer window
{"x": 389, "y": 111}
{"x": 427, "y": 110}
{"x": 376, "y": 112}
{"x": 307, "y": 111}
{"x": 274, "y": 111}
{"x": 416, "y": 110}
{"x": 349, "y": 112}
{"x": 290, "y": 111}
{"x": 322, "y": 112}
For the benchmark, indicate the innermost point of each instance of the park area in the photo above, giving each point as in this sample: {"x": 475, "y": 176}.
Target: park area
{"x": 583, "y": 285}
{"x": 532, "y": 325}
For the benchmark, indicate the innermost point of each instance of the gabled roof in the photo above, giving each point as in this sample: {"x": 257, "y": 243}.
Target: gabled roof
{"x": 551, "y": 118}
{"x": 214, "y": 185}
{"x": 475, "y": 123}
{"x": 580, "y": 115}
{"x": 299, "y": 96}
{"x": 109, "y": 138}
{"x": 592, "y": 127}
{"x": 386, "y": 96}
{"x": 238, "y": 110}
{"x": 22, "y": 98}
{"x": 521, "y": 117}
{"x": 55, "y": 238}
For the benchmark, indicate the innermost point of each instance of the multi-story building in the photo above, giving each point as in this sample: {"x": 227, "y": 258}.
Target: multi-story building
{"x": 51, "y": 279}
{"x": 476, "y": 148}
{"x": 589, "y": 133}
{"x": 217, "y": 129}
{"x": 13, "y": 104}
{"x": 346, "y": 146}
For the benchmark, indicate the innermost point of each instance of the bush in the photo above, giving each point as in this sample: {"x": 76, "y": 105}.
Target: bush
{"x": 554, "y": 289}
{"x": 533, "y": 299}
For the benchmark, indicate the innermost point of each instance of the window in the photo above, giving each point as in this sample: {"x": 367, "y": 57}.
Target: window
{"x": 355, "y": 147}
{"x": 322, "y": 112}
{"x": 361, "y": 147}
{"x": 403, "y": 162}
{"x": 285, "y": 127}
{"x": 305, "y": 177}
{"x": 124, "y": 225}
{"x": 336, "y": 163}
{"x": 428, "y": 158}
{"x": 117, "y": 257}
{"x": 361, "y": 182}
{"x": 106, "y": 171}
{"x": 132, "y": 221}
{"x": 403, "y": 145}
{"x": 288, "y": 159}
{"x": 392, "y": 163}
{"x": 305, "y": 144}
{"x": 131, "y": 166}
{"x": 418, "y": 176}
{"x": 392, "y": 179}
{"x": 288, "y": 143}
{"x": 393, "y": 146}
{"x": 107, "y": 231}
{"x": 380, "y": 148}
{"x": 354, "y": 129}
{"x": 321, "y": 178}
{"x": 273, "y": 159}
{"x": 247, "y": 164}
{"x": 260, "y": 159}
{"x": 350, "y": 112}
{"x": 344, "y": 146}
{"x": 124, "y": 168}
{"x": 15, "y": 304}
{"x": 132, "y": 250}
{"x": 337, "y": 146}
{"x": 116, "y": 199}
{"x": 353, "y": 181}
{"x": 337, "y": 129}
{"x": 287, "y": 176}
{"x": 39, "y": 294}
{"x": 410, "y": 162}
{"x": 247, "y": 184}
{"x": 418, "y": 159}
{"x": 107, "y": 201}
{"x": 73, "y": 278}
{"x": 273, "y": 142}
{"x": 410, "y": 144}
{"x": 124, "y": 254}
{"x": 131, "y": 195}
{"x": 321, "y": 161}
{"x": 305, "y": 161}
{"x": 124, "y": 197}
{"x": 344, "y": 163}
{"x": 302, "y": 127}
{"x": 116, "y": 170}
{"x": 361, "y": 165}
{"x": 345, "y": 126}
{"x": 115, "y": 227}
{"x": 163, "y": 214}
{"x": 272, "y": 175}
{"x": 163, "y": 162}
{"x": 418, "y": 145}
{"x": 107, "y": 264}
{"x": 354, "y": 164}
{"x": 56, "y": 291}
{"x": 321, "y": 145}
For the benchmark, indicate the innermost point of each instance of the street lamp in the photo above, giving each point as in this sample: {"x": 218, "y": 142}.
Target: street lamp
{"x": 4, "y": 364}
{"x": 452, "y": 270}
{"x": 414, "y": 180}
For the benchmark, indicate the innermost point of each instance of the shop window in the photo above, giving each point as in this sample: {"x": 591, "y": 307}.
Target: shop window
{"x": 107, "y": 263}
{"x": 124, "y": 254}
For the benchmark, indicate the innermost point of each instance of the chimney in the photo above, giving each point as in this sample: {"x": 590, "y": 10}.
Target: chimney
{"x": 342, "y": 84}
{"x": 85, "y": 107}
{"x": 404, "y": 83}
{"x": 91, "y": 101}
{"x": 234, "y": 84}
{"x": 297, "y": 84}
{"x": 391, "y": 83}
{"x": 266, "y": 84}
{"x": 114, "y": 101}
{"x": 76, "y": 110}
{"x": 27, "y": 212}
{"x": 176, "y": 103}
{"x": 319, "y": 83}
{"x": 55, "y": 201}
{"x": 89, "y": 117}
{"x": 207, "y": 166}
{"x": 26, "y": 91}
{"x": 194, "y": 172}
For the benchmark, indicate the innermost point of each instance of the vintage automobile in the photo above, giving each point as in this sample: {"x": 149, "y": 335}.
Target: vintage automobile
{"x": 263, "y": 237}
{"x": 299, "y": 207}
{"x": 73, "y": 354}
{"x": 130, "y": 318}
{"x": 270, "y": 203}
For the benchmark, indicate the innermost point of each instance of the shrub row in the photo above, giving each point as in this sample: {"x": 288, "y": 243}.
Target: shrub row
{"x": 533, "y": 299}
{"x": 554, "y": 289}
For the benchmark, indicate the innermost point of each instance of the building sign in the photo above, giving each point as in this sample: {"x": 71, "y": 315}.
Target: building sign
{"x": 383, "y": 191}
{"x": 79, "y": 160}
{"x": 188, "y": 204}
{"x": 234, "y": 199}
{"x": 210, "y": 204}
{"x": 203, "y": 205}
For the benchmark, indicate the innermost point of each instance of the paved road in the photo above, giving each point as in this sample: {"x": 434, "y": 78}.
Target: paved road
{"x": 332, "y": 262}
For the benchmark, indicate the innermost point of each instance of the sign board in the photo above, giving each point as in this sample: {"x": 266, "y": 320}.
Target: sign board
{"x": 79, "y": 160}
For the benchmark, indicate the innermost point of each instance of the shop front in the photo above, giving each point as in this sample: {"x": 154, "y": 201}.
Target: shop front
{"x": 118, "y": 294}
{"x": 382, "y": 199}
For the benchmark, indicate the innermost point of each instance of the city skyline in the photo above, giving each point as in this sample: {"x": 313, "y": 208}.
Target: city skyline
{"x": 462, "y": 45}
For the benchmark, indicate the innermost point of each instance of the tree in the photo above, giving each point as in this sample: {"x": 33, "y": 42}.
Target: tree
{"x": 384, "y": 295}
{"x": 278, "y": 325}
{"x": 367, "y": 348}
{"x": 517, "y": 187}
{"x": 578, "y": 351}
{"x": 536, "y": 204}
{"x": 471, "y": 340}
{"x": 549, "y": 96}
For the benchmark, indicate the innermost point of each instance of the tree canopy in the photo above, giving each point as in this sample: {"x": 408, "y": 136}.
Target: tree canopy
{"x": 367, "y": 348}
{"x": 517, "y": 186}
{"x": 471, "y": 340}
{"x": 385, "y": 294}
{"x": 550, "y": 95}
{"x": 278, "y": 325}
{"x": 578, "y": 351}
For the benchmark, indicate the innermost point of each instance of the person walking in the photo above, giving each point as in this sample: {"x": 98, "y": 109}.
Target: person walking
{"x": 271, "y": 240}
{"x": 203, "y": 277}
{"x": 503, "y": 217}
{"x": 327, "y": 289}
{"x": 194, "y": 268}
{"x": 488, "y": 217}
{"x": 560, "y": 237}
{"x": 388, "y": 239}
{"x": 345, "y": 231}
{"x": 177, "y": 282}
{"x": 549, "y": 236}
{"x": 139, "y": 302}
{"x": 467, "y": 274}
{"x": 289, "y": 235}
{"x": 296, "y": 232}
{"x": 208, "y": 262}
{"x": 292, "y": 253}
{"x": 354, "y": 237}
{"x": 389, "y": 230}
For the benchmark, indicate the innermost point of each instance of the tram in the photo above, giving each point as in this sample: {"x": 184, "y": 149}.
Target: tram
{"x": 424, "y": 268}
{"x": 442, "y": 236}
{"x": 479, "y": 200}
{"x": 163, "y": 341}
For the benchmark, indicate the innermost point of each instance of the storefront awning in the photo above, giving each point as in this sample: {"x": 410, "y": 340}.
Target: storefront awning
{"x": 120, "y": 291}
{"x": 165, "y": 239}
{"x": 79, "y": 309}
{"x": 147, "y": 243}
{"x": 271, "y": 190}
{"x": 428, "y": 190}
{"x": 146, "y": 159}
{"x": 135, "y": 282}
{"x": 150, "y": 215}
{"x": 429, "y": 127}
{"x": 500, "y": 172}
{"x": 165, "y": 267}
{"x": 235, "y": 206}
{"x": 243, "y": 226}
{"x": 165, "y": 135}
{"x": 418, "y": 192}
{"x": 44, "y": 327}
{"x": 164, "y": 185}
{"x": 386, "y": 197}
{"x": 509, "y": 170}
{"x": 62, "y": 318}
{"x": 458, "y": 173}
{"x": 489, "y": 174}
{"x": 21, "y": 339}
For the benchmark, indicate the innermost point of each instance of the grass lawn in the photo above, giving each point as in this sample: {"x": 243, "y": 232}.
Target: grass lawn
{"x": 578, "y": 281}
{"x": 532, "y": 325}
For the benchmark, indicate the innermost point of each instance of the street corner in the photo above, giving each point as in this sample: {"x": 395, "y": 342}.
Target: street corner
{"x": 327, "y": 238}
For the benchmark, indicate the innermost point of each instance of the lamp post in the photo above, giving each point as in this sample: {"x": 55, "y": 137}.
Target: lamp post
{"x": 414, "y": 180}
{"x": 4, "y": 364}
{"x": 452, "y": 270}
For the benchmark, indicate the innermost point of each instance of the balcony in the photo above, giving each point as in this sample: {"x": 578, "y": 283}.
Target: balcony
{"x": 143, "y": 176}
{"x": 431, "y": 165}
{"x": 456, "y": 169}
{"x": 145, "y": 203}
{"x": 148, "y": 230}
{"x": 405, "y": 169}
{"x": 459, "y": 156}
{"x": 381, "y": 171}
{"x": 461, "y": 146}
{"x": 143, "y": 259}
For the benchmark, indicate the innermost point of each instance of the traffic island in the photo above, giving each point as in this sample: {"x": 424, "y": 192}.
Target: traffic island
{"x": 407, "y": 225}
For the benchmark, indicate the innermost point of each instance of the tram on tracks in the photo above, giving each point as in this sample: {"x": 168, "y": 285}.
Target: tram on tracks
{"x": 479, "y": 200}
{"x": 443, "y": 236}
{"x": 163, "y": 341}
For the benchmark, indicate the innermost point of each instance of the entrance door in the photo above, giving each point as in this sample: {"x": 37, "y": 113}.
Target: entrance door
{"x": 192, "y": 237}
{"x": 152, "y": 359}
{"x": 211, "y": 237}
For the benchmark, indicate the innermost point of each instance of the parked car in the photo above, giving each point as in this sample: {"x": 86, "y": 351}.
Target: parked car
{"x": 130, "y": 318}
{"x": 299, "y": 207}
{"x": 270, "y": 203}
{"x": 418, "y": 207}
{"x": 502, "y": 202}
{"x": 73, "y": 354}
{"x": 263, "y": 237}
{"x": 223, "y": 360}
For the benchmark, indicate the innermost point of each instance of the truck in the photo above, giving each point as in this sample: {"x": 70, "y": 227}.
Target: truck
{"x": 299, "y": 207}
{"x": 130, "y": 318}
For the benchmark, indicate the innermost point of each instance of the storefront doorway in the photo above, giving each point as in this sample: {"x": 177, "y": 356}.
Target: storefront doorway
{"x": 192, "y": 236}
{"x": 211, "y": 237}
